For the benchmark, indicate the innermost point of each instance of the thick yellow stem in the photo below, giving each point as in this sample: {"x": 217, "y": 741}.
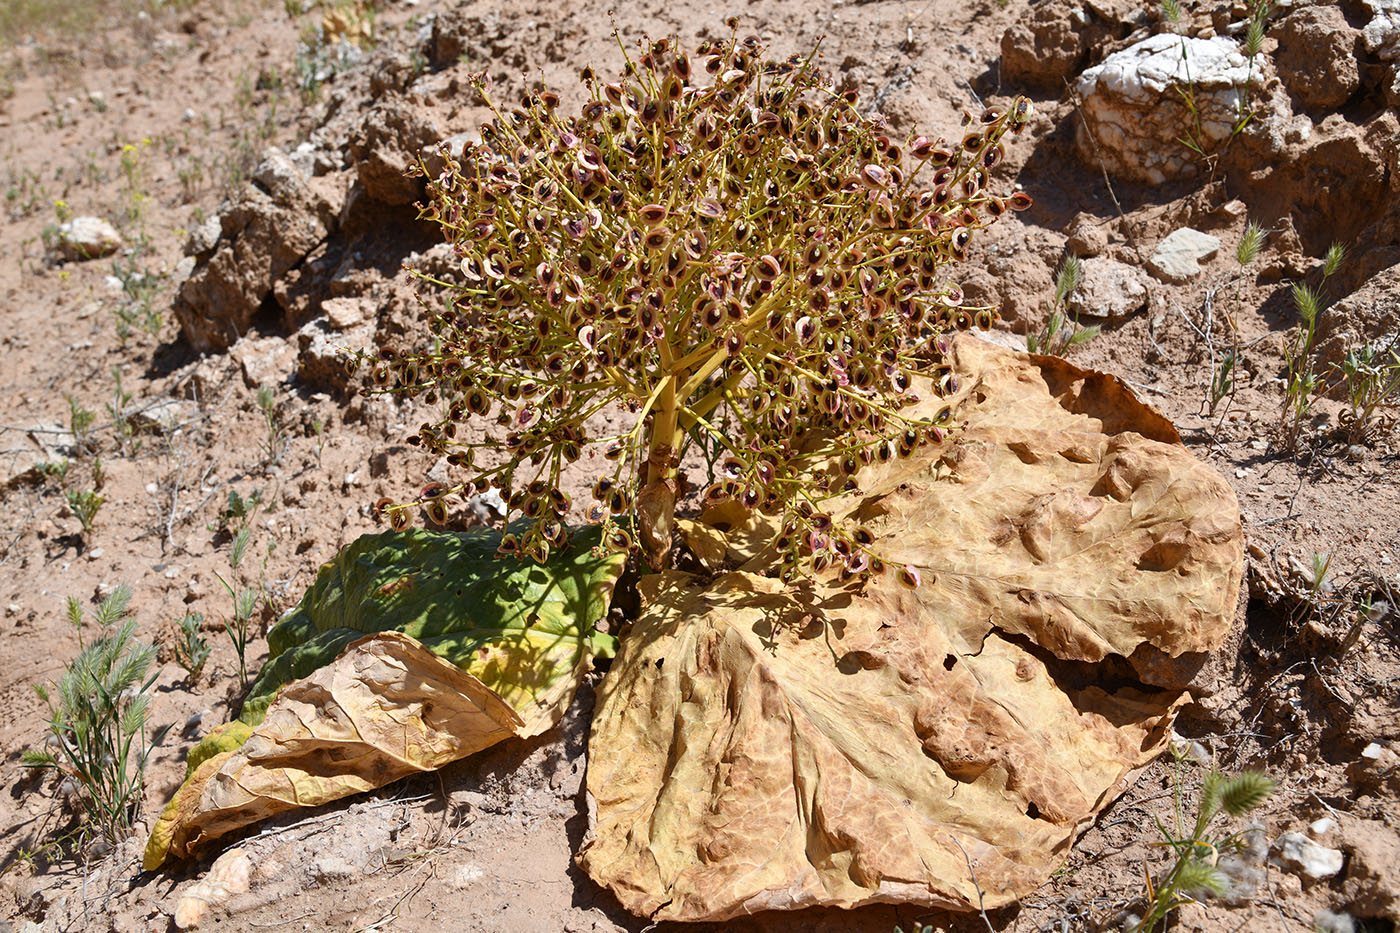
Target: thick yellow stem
{"x": 664, "y": 427}
{"x": 656, "y": 503}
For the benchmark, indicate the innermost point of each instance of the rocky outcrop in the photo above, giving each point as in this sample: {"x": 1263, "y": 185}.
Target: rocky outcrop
{"x": 1381, "y": 37}
{"x": 1051, "y": 42}
{"x": 1372, "y": 885}
{"x": 280, "y": 218}
{"x": 1330, "y": 177}
{"x": 1382, "y": 33}
{"x": 1141, "y": 102}
{"x": 1369, "y": 315}
{"x": 384, "y": 148}
{"x": 1316, "y": 57}
{"x": 324, "y": 349}
{"x": 1044, "y": 47}
{"x": 456, "y": 35}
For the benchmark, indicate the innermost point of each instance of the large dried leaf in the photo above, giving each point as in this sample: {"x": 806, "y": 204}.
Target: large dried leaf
{"x": 384, "y": 709}
{"x": 470, "y": 650}
{"x": 760, "y": 747}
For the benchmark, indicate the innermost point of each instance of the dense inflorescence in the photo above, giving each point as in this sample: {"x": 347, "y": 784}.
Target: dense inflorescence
{"x": 725, "y": 250}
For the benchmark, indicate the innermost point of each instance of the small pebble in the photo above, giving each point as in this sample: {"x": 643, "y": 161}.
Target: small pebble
{"x": 194, "y": 722}
{"x": 1301, "y": 855}
{"x": 1326, "y": 921}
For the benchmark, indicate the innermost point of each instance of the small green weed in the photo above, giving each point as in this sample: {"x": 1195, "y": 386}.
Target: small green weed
{"x": 137, "y": 310}
{"x": 1224, "y": 366}
{"x": 53, "y": 470}
{"x": 239, "y": 547}
{"x": 1301, "y": 379}
{"x": 192, "y": 651}
{"x": 319, "y": 60}
{"x": 1369, "y": 377}
{"x": 237, "y": 513}
{"x": 24, "y": 193}
{"x": 1195, "y": 137}
{"x": 1222, "y": 383}
{"x": 84, "y": 505}
{"x": 127, "y": 442}
{"x": 80, "y": 421}
{"x": 98, "y": 710}
{"x": 133, "y": 171}
{"x": 191, "y": 175}
{"x": 275, "y": 442}
{"x": 237, "y": 626}
{"x": 1197, "y": 848}
{"x": 1061, "y": 331}
{"x": 1259, "y": 13}
{"x": 256, "y": 105}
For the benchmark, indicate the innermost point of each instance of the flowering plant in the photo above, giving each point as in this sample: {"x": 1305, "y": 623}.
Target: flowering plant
{"x": 723, "y": 249}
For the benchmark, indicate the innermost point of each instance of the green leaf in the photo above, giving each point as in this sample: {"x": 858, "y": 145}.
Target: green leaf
{"x": 524, "y": 630}
{"x": 518, "y": 626}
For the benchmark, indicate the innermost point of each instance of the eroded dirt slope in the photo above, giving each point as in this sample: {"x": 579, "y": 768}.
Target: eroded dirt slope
{"x": 163, "y": 128}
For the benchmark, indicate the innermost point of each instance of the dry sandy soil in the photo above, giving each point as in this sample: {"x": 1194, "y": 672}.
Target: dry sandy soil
{"x": 1304, "y": 686}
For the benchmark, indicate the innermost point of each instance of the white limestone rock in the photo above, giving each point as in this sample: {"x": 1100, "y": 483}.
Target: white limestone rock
{"x": 1108, "y": 289}
{"x": 1302, "y": 856}
{"x": 1135, "y": 109}
{"x": 1382, "y": 34}
{"x": 87, "y": 238}
{"x": 1178, "y": 258}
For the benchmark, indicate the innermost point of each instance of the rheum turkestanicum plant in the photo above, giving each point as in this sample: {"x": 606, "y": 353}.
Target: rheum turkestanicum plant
{"x": 721, "y": 249}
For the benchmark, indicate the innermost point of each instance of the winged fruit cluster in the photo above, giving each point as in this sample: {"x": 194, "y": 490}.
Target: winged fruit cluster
{"x": 722, "y": 249}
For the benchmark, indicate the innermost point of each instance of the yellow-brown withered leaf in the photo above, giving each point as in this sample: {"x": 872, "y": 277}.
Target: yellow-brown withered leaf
{"x": 384, "y": 709}
{"x": 474, "y": 650}
{"x": 761, "y": 747}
